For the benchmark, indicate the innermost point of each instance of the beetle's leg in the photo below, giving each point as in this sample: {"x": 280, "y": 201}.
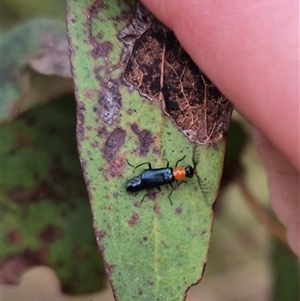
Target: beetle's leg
{"x": 167, "y": 162}
{"x": 135, "y": 167}
{"x": 149, "y": 164}
{"x": 169, "y": 197}
{"x": 129, "y": 163}
{"x": 149, "y": 193}
{"x": 179, "y": 161}
{"x": 163, "y": 157}
{"x": 143, "y": 198}
{"x": 178, "y": 184}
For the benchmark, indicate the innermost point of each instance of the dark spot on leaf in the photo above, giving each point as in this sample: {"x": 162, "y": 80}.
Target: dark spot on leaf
{"x": 156, "y": 209}
{"x": 21, "y": 141}
{"x": 178, "y": 210}
{"x": 102, "y": 132}
{"x": 50, "y": 233}
{"x": 109, "y": 268}
{"x": 133, "y": 219}
{"x": 94, "y": 144}
{"x": 145, "y": 139}
{"x": 101, "y": 50}
{"x": 116, "y": 167}
{"x": 80, "y": 120}
{"x": 109, "y": 101}
{"x": 40, "y": 256}
{"x": 57, "y": 171}
{"x": 113, "y": 143}
{"x": 131, "y": 111}
{"x": 100, "y": 234}
{"x": 20, "y": 194}
{"x": 43, "y": 191}
{"x": 137, "y": 204}
{"x": 14, "y": 237}
{"x": 99, "y": 36}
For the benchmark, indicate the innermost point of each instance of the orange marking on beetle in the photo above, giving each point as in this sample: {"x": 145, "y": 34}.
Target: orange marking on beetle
{"x": 179, "y": 173}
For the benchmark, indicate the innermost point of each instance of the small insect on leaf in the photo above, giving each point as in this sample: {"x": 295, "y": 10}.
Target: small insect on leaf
{"x": 155, "y": 177}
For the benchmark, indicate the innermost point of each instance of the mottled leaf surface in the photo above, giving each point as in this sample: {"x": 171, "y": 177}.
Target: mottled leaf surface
{"x": 45, "y": 214}
{"x": 160, "y": 69}
{"x": 34, "y": 68}
{"x": 152, "y": 251}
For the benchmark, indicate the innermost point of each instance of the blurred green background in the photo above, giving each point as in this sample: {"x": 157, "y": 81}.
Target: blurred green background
{"x": 15, "y": 12}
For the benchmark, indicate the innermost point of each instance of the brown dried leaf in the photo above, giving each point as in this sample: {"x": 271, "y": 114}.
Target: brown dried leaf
{"x": 160, "y": 69}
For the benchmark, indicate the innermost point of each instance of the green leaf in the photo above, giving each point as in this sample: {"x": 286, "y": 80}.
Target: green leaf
{"x": 35, "y": 67}
{"x": 153, "y": 250}
{"x": 45, "y": 214}
{"x": 286, "y": 273}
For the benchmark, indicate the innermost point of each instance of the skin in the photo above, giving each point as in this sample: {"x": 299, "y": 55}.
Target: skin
{"x": 249, "y": 50}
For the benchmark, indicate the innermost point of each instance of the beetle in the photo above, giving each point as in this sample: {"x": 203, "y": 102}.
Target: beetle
{"x": 155, "y": 177}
